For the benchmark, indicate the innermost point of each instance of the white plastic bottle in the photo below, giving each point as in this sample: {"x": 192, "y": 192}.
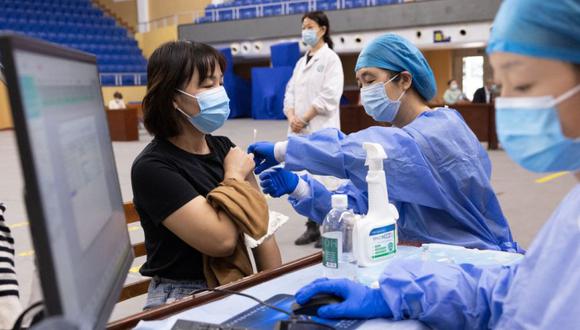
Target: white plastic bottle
{"x": 375, "y": 235}
{"x": 337, "y": 257}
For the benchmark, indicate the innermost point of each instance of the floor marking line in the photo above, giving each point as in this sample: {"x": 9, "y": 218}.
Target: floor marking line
{"x": 18, "y": 225}
{"x": 551, "y": 177}
{"x": 26, "y": 253}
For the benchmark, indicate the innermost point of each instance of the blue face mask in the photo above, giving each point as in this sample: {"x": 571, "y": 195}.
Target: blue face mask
{"x": 529, "y": 130}
{"x": 309, "y": 37}
{"x": 214, "y": 106}
{"x": 377, "y": 104}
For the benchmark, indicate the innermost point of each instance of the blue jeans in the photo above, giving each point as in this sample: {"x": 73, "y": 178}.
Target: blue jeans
{"x": 164, "y": 291}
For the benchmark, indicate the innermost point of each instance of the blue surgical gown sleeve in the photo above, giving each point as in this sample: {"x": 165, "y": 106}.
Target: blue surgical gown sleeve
{"x": 446, "y": 296}
{"x": 541, "y": 292}
{"x": 317, "y": 204}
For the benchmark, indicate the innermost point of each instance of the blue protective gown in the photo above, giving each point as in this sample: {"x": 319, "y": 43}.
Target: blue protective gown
{"x": 438, "y": 176}
{"x": 541, "y": 292}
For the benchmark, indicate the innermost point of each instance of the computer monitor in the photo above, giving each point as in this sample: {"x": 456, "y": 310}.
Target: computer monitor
{"x": 72, "y": 191}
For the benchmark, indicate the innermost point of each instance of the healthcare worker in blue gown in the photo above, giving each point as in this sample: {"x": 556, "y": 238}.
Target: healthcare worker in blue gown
{"x": 537, "y": 60}
{"x": 438, "y": 174}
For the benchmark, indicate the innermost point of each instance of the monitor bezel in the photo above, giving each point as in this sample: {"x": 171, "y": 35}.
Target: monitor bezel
{"x": 9, "y": 42}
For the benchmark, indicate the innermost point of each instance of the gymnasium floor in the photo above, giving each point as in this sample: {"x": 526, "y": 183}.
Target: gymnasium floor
{"x": 527, "y": 199}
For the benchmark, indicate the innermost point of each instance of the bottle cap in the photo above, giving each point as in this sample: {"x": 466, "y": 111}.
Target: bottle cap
{"x": 339, "y": 201}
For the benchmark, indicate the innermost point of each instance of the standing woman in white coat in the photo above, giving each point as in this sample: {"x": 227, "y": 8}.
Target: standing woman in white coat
{"x": 312, "y": 99}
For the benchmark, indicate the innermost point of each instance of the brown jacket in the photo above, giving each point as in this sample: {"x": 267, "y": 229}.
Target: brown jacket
{"x": 247, "y": 207}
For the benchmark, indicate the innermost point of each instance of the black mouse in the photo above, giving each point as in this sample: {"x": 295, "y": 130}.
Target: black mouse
{"x": 317, "y": 301}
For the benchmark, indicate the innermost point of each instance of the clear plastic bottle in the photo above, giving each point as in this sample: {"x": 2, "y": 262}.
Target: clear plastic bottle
{"x": 337, "y": 255}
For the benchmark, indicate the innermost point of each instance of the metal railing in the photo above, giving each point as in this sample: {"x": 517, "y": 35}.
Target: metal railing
{"x": 119, "y": 78}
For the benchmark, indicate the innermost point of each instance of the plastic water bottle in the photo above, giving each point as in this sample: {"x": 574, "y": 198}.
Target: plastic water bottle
{"x": 337, "y": 256}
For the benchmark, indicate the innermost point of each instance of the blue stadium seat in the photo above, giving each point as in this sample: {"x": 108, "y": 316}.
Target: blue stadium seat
{"x": 273, "y": 10}
{"x": 128, "y": 79}
{"x": 354, "y": 3}
{"x": 298, "y": 8}
{"x": 225, "y": 15}
{"x": 248, "y": 13}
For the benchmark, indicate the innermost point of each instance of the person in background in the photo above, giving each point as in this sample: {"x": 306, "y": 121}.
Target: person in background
{"x": 312, "y": 99}
{"x": 10, "y": 306}
{"x": 537, "y": 60}
{"x": 185, "y": 102}
{"x": 454, "y": 94}
{"x": 438, "y": 174}
{"x": 486, "y": 93}
{"x": 117, "y": 102}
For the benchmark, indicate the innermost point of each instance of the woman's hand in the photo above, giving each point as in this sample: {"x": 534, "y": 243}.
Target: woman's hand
{"x": 297, "y": 124}
{"x": 238, "y": 164}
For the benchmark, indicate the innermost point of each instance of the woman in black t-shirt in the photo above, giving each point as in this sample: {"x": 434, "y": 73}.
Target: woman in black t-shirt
{"x": 185, "y": 102}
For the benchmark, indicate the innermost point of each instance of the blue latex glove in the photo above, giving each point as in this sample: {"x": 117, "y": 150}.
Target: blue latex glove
{"x": 360, "y": 302}
{"x": 278, "y": 182}
{"x": 263, "y": 156}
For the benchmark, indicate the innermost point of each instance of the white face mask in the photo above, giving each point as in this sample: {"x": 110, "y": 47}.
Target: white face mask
{"x": 454, "y": 86}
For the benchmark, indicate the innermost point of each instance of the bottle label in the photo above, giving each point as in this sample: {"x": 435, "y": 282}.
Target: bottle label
{"x": 383, "y": 242}
{"x": 331, "y": 249}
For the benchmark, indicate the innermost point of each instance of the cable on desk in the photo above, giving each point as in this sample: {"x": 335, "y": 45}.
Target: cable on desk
{"x": 247, "y": 296}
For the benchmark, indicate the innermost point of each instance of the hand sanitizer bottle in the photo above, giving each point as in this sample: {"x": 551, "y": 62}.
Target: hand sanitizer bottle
{"x": 375, "y": 235}
{"x": 337, "y": 257}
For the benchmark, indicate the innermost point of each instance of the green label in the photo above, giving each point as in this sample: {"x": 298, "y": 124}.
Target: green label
{"x": 330, "y": 252}
{"x": 383, "y": 242}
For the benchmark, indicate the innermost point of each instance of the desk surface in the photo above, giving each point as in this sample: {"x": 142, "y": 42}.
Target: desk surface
{"x": 221, "y": 310}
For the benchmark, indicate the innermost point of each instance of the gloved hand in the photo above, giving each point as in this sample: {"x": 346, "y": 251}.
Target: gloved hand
{"x": 360, "y": 302}
{"x": 263, "y": 155}
{"x": 278, "y": 182}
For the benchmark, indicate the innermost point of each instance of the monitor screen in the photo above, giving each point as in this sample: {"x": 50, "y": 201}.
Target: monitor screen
{"x": 72, "y": 190}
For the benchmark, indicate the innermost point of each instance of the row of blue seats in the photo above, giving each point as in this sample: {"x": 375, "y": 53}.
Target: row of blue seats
{"x": 59, "y": 21}
{"x": 122, "y": 68}
{"x": 62, "y": 29}
{"x": 43, "y": 18}
{"x": 47, "y": 12}
{"x": 45, "y": 4}
{"x": 107, "y": 49}
{"x": 71, "y": 38}
{"x": 227, "y": 12}
{"x": 121, "y": 60}
{"x": 60, "y": 2}
{"x": 126, "y": 79}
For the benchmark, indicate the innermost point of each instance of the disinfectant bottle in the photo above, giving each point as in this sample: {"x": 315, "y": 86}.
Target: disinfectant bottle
{"x": 375, "y": 235}
{"x": 337, "y": 257}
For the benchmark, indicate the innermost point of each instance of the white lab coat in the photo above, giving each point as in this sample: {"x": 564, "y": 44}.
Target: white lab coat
{"x": 117, "y": 105}
{"x": 318, "y": 83}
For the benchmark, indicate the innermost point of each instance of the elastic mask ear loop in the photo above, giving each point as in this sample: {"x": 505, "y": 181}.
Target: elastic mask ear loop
{"x": 567, "y": 95}
{"x": 402, "y": 94}
{"x": 186, "y": 93}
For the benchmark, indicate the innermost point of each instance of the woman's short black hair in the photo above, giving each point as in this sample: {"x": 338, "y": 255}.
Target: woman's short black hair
{"x": 322, "y": 20}
{"x": 118, "y": 95}
{"x": 171, "y": 67}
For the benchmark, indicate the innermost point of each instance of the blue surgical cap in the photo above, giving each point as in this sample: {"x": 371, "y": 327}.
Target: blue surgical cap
{"x": 395, "y": 53}
{"x": 538, "y": 28}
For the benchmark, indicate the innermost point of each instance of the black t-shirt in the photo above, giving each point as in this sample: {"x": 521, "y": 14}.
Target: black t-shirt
{"x": 164, "y": 178}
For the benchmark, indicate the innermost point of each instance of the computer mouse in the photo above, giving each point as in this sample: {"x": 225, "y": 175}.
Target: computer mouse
{"x": 312, "y": 306}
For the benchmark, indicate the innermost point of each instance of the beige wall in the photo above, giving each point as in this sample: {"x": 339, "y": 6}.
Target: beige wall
{"x": 163, "y": 8}
{"x": 149, "y": 41}
{"x": 126, "y": 10}
{"x": 130, "y": 94}
{"x": 441, "y": 62}
{"x": 5, "y": 115}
